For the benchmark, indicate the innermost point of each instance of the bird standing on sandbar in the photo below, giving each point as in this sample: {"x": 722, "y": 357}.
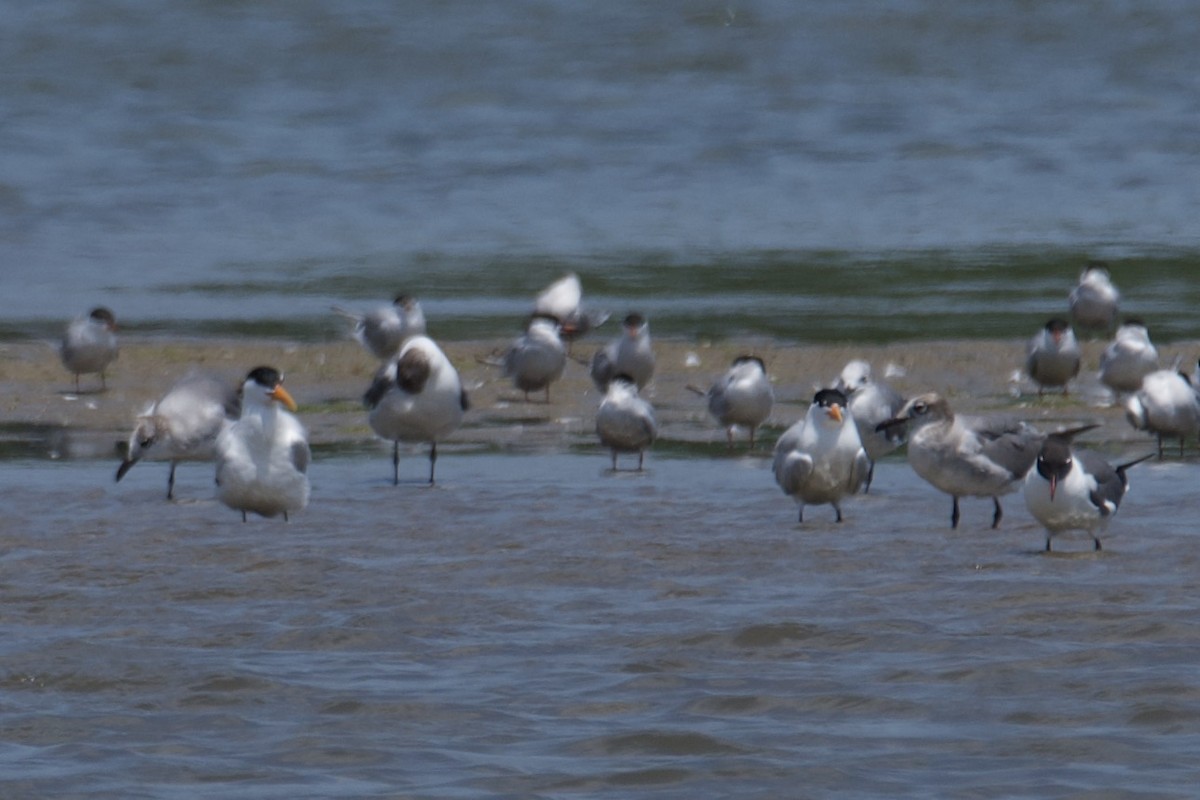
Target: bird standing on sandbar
{"x": 871, "y": 402}
{"x": 1094, "y": 300}
{"x": 89, "y": 345}
{"x": 625, "y": 422}
{"x": 416, "y": 397}
{"x": 262, "y": 459}
{"x": 742, "y": 396}
{"x": 537, "y": 358}
{"x": 1129, "y": 358}
{"x": 1053, "y": 357}
{"x": 629, "y": 354}
{"x": 1166, "y": 405}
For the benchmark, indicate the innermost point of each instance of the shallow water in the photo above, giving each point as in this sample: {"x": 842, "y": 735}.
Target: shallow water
{"x": 538, "y": 626}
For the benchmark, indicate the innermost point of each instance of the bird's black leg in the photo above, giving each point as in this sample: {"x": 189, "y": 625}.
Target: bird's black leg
{"x": 954, "y": 514}
{"x": 837, "y": 509}
{"x": 801, "y": 517}
{"x": 396, "y": 463}
{"x": 1160, "y": 447}
{"x": 1097, "y": 543}
{"x": 996, "y": 517}
{"x": 1047, "y": 544}
{"x": 243, "y": 516}
{"x": 171, "y": 482}
{"x": 870, "y": 477}
{"x": 641, "y": 459}
{"x": 432, "y": 461}
{"x": 285, "y": 517}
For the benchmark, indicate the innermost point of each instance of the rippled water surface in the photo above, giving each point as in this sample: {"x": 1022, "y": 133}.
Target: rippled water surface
{"x": 537, "y": 626}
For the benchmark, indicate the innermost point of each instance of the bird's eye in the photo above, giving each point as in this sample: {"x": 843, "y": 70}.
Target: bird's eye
{"x": 920, "y": 408}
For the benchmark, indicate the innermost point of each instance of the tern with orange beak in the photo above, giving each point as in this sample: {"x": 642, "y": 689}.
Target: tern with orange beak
{"x": 262, "y": 459}
{"x": 821, "y": 458}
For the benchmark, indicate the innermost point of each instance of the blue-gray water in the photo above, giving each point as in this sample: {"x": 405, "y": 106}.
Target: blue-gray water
{"x": 213, "y": 166}
{"x": 535, "y": 627}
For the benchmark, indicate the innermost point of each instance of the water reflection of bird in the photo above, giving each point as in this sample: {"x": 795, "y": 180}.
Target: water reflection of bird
{"x": 89, "y": 345}
{"x": 262, "y": 459}
{"x": 416, "y": 397}
{"x": 183, "y": 424}
{"x": 821, "y": 459}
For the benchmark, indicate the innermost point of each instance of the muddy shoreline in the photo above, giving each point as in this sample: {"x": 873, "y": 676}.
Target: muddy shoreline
{"x": 328, "y": 380}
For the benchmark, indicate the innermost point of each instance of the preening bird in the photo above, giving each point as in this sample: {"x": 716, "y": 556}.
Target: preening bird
{"x": 1129, "y": 358}
{"x": 416, "y": 397}
{"x": 183, "y": 424}
{"x": 1094, "y": 301}
{"x": 563, "y": 300}
{"x": 1165, "y": 405}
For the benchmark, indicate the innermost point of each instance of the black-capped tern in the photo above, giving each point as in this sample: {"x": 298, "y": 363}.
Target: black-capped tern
{"x": 821, "y": 459}
{"x": 89, "y": 345}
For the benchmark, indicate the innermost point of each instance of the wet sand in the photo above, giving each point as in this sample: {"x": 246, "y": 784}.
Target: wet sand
{"x": 328, "y": 380}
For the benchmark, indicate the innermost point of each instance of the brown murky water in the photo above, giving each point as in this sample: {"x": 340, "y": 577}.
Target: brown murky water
{"x": 538, "y": 626}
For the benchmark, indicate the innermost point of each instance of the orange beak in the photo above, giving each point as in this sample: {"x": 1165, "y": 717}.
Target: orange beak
{"x": 281, "y": 394}
{"x": 835, "y": 412}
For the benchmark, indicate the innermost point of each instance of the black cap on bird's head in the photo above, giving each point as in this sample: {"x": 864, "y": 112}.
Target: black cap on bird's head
{"x": 748, "y": 359}
{"x": 104, "y": 316}
{"x": 1054, "y": 460}
{"x": 833, "y": 401}
{"x": 271, "y": 379}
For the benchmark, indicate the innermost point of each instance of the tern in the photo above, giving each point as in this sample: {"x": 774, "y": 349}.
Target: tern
{"x": 1165, "y": 405}
{"x": 1093, "y": 302}
{"x": 742, "y": 396}
{"x": 966, "y": 456}
{"x": 821, "y": 459}
{"x": 1053, "y": 357}
{"x": 262, "y": 459}
{"x": 563, "y": 300}
{"x": 183, "y": 424}
{"x": 629, "y": 354}
{"x": 871, "y": 402}
{"x": 90, "y": 345}
{"x": 625, "y": 422}
{"x": 416, "y": 397}
{"x": 1071, "y": 489}
{"x": 1129, "y": 358}
{"x": 382, "y": 331}
{"x": 537, "y": 358}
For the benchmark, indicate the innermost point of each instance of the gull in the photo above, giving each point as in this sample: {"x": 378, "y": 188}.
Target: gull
{"x": 625, "y": 422}
{"x": 1093, "y": 302}
{"x": 742, "y": 396}
{"x": 183, "y": 424}
{"x": 1072, "y": 489}
{"x": 416, "y": 397}
{"x": 966, "y": 456}
{"x": 1165, "y": 405}
{"x": 1129, "y": 358}
{"x": 90, "y": 344}
{"x": 629, "y": 354}
{"x": 562, "y": 300}
{"x": 871, "y": 402}
{"x": 383, "y": 330}
{"x": 262, "y": 459}
{"x": 537, "y": 358}
{"x": 1053, "y": 357}
{"x": 821, "y": 459}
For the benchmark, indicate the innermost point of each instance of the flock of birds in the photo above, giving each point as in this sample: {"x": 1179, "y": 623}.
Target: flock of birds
{"x": 416, "y": 396}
